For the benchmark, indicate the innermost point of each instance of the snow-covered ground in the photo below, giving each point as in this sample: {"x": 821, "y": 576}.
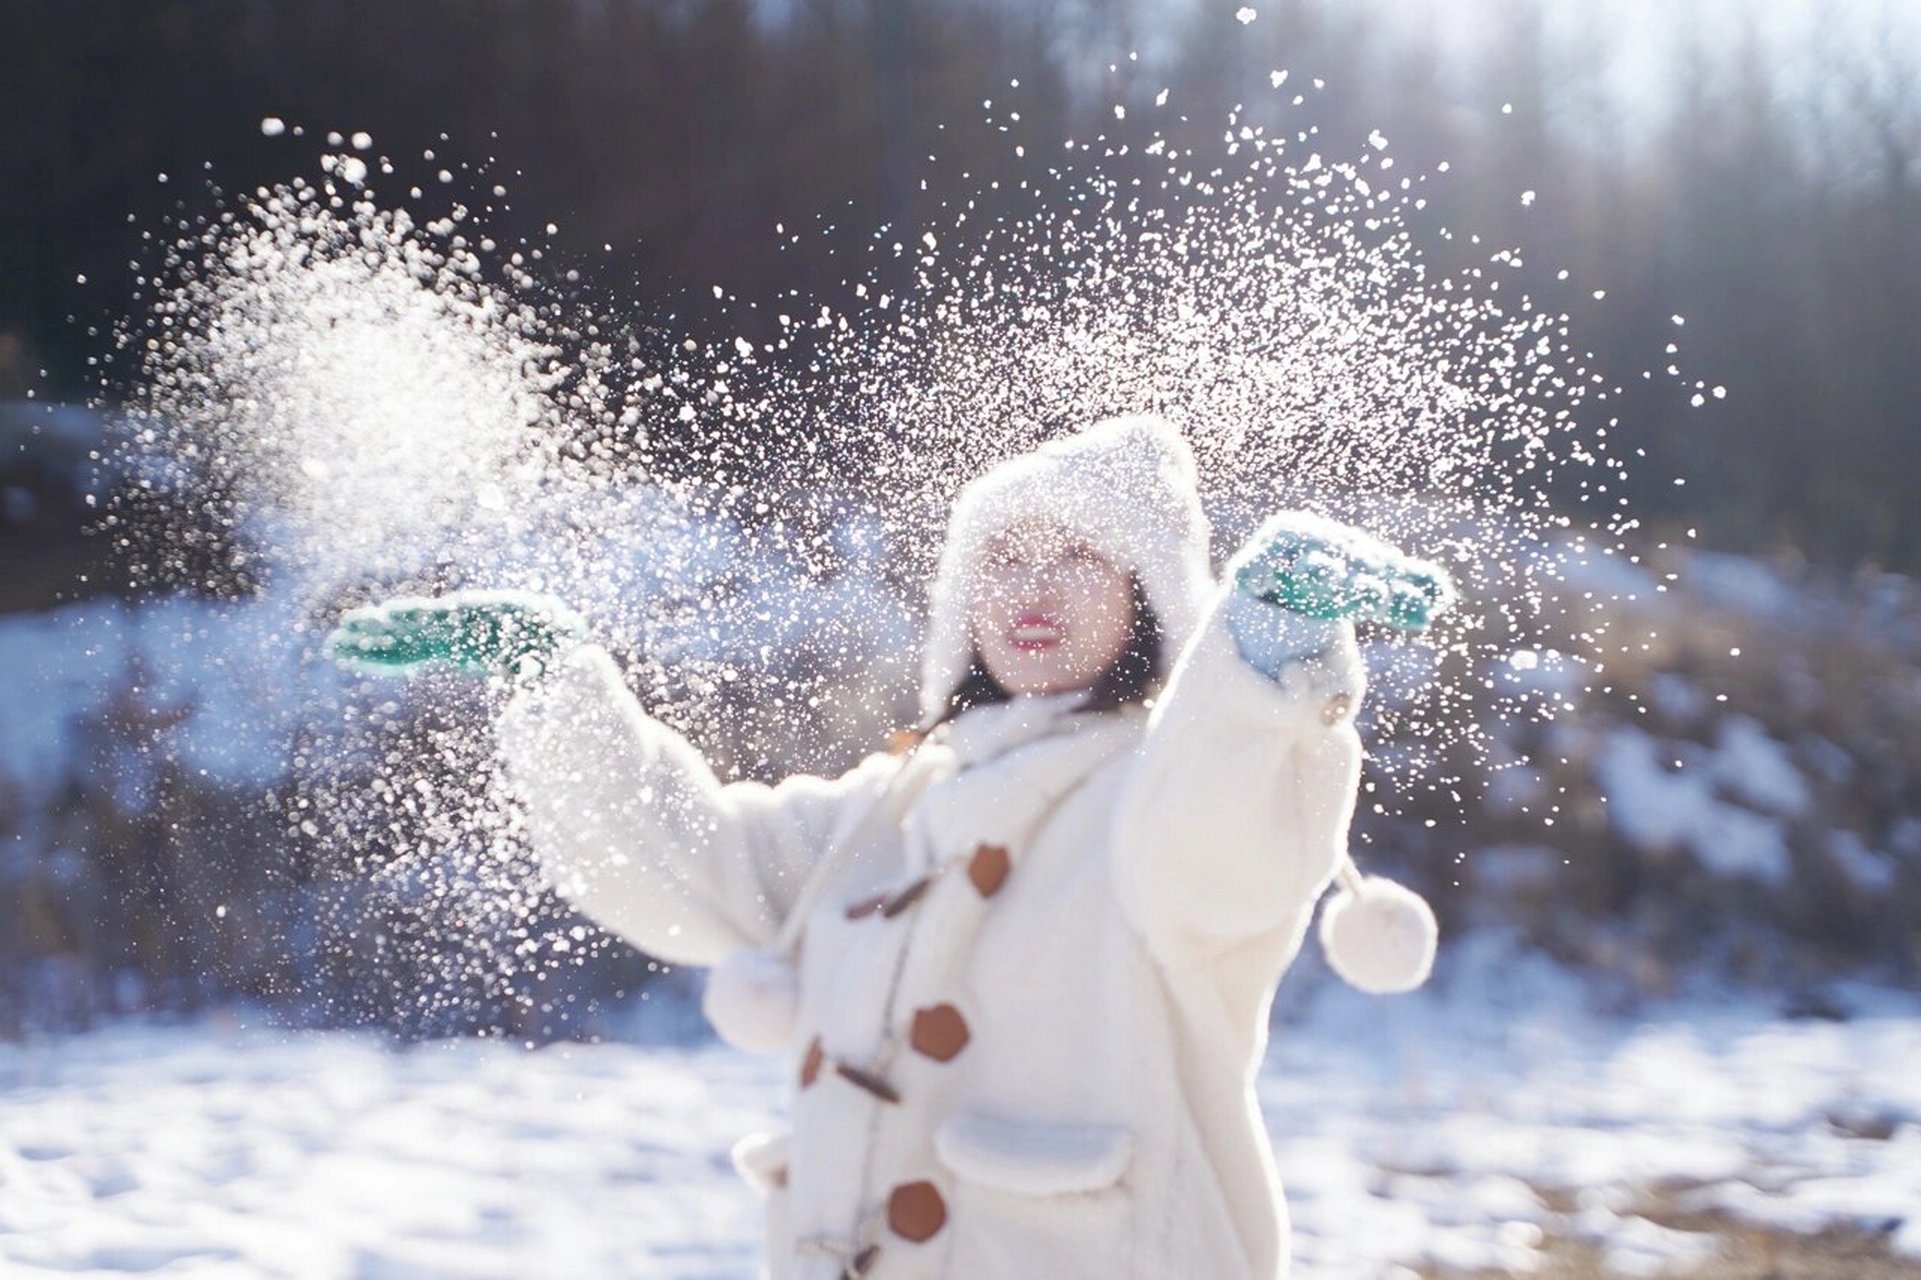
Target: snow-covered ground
{"x": 1415, "y": 1132}
{"x": 1457, "y": 1130}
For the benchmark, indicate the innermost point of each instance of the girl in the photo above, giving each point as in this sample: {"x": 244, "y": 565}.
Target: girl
{"x": 1025, "y": 970}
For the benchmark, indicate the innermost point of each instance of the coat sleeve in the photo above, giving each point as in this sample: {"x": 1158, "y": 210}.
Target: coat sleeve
{"x": 631, "y": 825}
{"x": 1235, "y": 815}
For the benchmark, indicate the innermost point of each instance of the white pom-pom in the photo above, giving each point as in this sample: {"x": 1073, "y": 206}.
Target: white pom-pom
{"x": 753, "y": 1000}
{"x": 1380, "y": 936}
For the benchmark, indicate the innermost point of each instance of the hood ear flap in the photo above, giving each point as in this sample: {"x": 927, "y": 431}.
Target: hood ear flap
{"x": 1378, "y": 935}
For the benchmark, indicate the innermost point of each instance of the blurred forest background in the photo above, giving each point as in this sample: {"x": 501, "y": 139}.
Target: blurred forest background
{"x": 1761, "y": 178}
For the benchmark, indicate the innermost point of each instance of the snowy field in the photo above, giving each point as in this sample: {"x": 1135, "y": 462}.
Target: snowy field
{"x": 1432, "y": 1132}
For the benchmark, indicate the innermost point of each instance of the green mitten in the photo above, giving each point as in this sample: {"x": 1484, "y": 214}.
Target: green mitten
{"x": 479, "y": 632}
{"x": 1319, "y": 569}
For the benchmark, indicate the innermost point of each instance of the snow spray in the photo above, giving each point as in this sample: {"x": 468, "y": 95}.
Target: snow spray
{"x": 371, "y": 400}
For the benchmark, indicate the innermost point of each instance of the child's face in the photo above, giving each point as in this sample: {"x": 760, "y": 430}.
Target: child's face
{"x": 1048, "y": 613}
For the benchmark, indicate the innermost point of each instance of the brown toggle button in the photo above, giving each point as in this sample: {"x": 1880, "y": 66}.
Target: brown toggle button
{"x": 861, "y": 1263}
{"x": 906, "y": 897}
{"x": 915, "y": 1211}
{"x": 1336, "y": 709}
{"x": 867, "y": 1080}
{"x": 866, "y": 906}
{"x": 988, "y": 868}
{"x": 939, "y": 1032}
{"x": 810, "y": 1064}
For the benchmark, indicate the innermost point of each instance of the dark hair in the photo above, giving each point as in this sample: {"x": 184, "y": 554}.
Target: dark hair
{"x": 1131, "y": 679}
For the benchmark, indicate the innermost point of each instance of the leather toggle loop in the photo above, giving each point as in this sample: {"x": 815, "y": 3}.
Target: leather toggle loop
{"x": 866, "y": 906}
{"x": 810, "y": 1064}
{"x": 863, "y": 1079}
{"x": 906, "y": 898}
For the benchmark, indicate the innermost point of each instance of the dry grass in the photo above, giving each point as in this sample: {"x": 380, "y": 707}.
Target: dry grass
{"x": 1747, "y": 1251}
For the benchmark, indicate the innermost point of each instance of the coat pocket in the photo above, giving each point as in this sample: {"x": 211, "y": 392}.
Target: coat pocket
{"x": 761, "y": 1160}
{"x": 1033, "y": 1159}
{"x": 1037, "y": 1199}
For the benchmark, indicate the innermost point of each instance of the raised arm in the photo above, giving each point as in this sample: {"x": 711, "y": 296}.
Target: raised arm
{"x": 1237, "y": 814}
{"x": 633, "y": 827}
{"x": 627, "y": 819}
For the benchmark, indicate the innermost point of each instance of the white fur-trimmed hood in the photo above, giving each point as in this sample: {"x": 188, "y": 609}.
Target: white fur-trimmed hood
{"x": 1127, "y": 485}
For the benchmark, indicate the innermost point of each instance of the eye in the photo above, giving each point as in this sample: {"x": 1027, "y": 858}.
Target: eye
{"x": 1080, "y": 555}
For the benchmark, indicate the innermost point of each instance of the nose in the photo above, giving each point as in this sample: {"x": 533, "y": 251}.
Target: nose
{"x": 1038, "y": 585}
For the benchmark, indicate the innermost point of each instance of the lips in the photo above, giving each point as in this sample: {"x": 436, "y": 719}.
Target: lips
{"x": 1033, "y": 632}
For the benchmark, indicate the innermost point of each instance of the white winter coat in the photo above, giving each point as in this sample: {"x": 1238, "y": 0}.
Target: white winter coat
{"x": 1035, "y": 1060}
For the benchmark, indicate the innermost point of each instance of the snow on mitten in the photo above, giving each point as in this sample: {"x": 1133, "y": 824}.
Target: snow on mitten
{"x": 478, "y": 632}
{"x": 753, "y": 1000}
{"x": 1318, "y": 568}
{"x": 1378, "y": 935}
